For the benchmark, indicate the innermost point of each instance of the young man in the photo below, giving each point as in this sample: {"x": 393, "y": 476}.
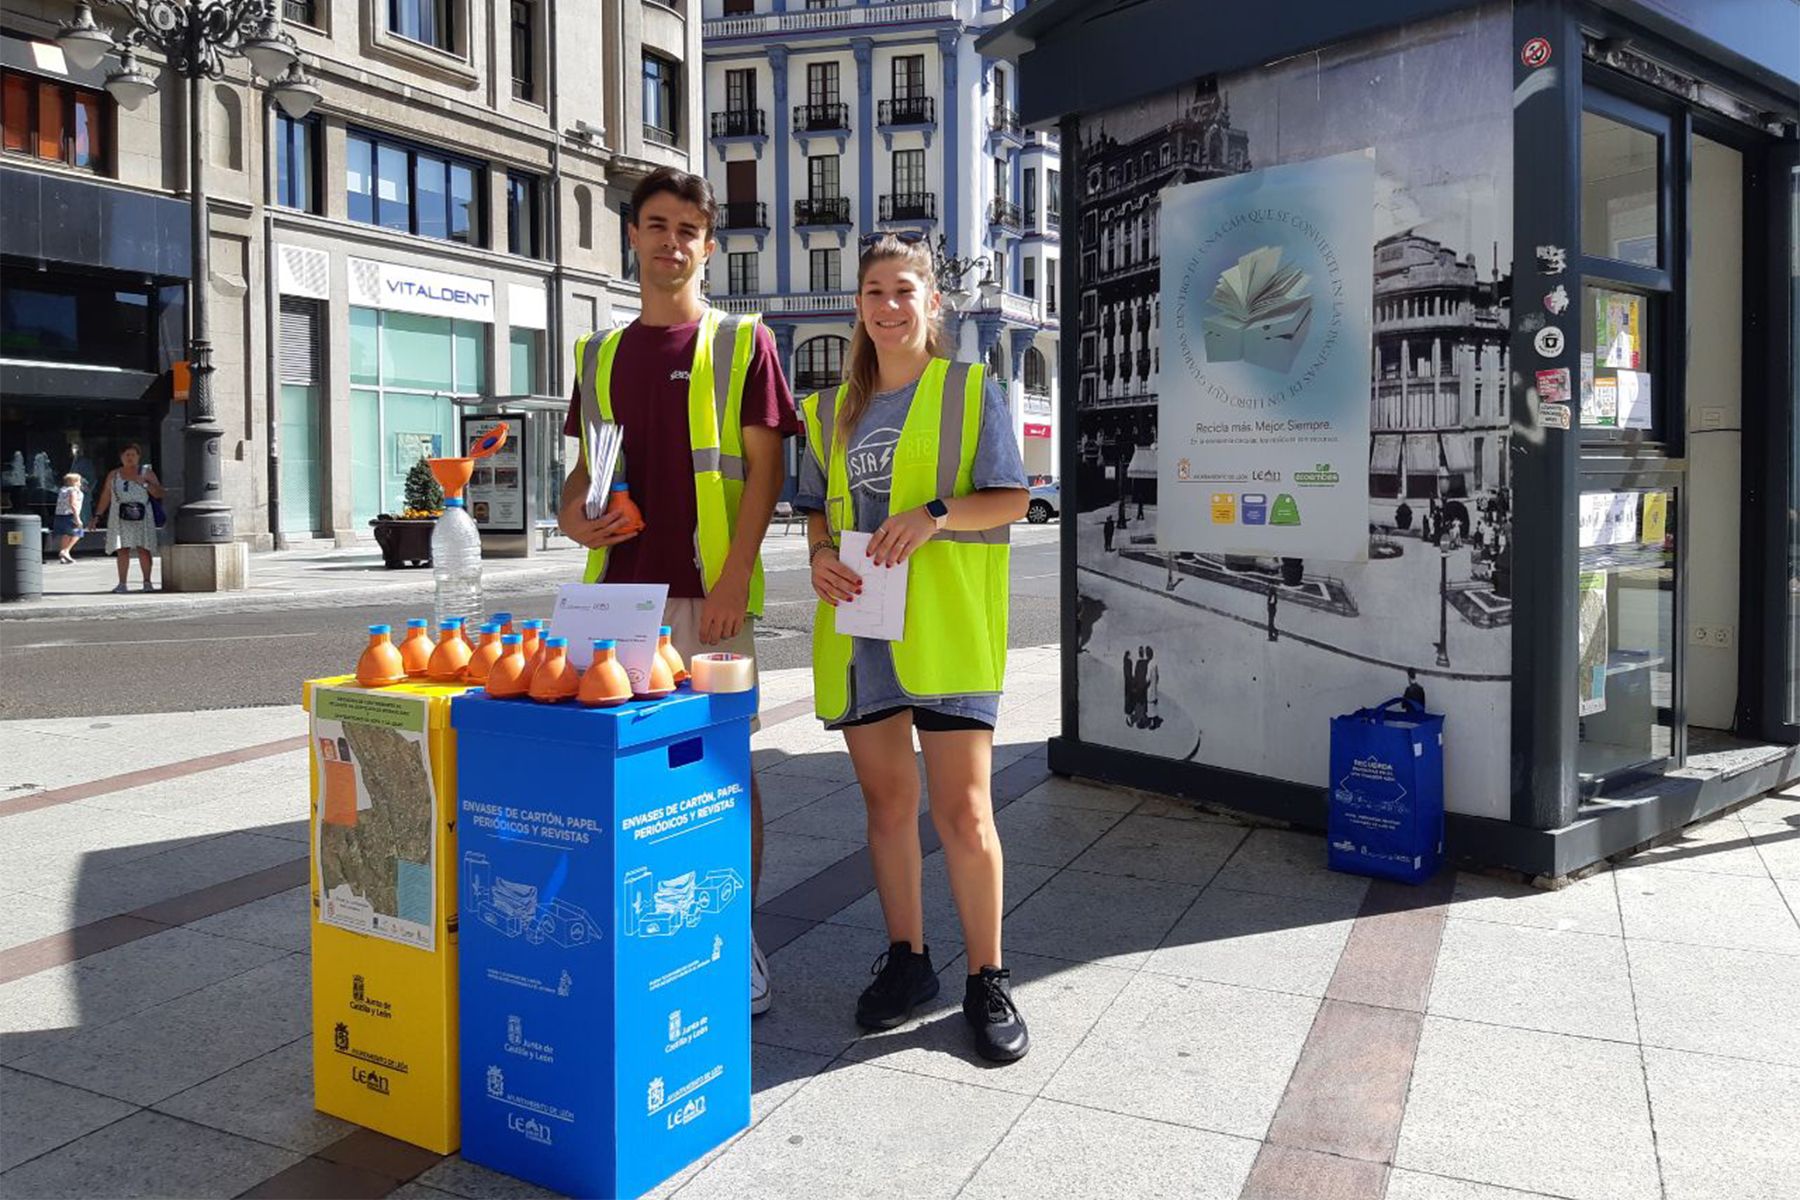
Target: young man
{"x": 703, "y": 406}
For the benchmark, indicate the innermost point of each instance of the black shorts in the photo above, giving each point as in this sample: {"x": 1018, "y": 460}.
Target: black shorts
{"x": 929, "y": 720}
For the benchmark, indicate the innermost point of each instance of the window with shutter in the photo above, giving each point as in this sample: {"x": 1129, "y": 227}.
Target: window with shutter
{"x": 299, "y": 340}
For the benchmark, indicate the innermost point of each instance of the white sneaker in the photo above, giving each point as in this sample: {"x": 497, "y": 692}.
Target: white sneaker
{"x": 760, "y": 996}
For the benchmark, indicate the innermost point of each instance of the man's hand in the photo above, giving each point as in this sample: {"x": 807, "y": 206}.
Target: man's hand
{"x": 594, "y": 533}
{"x": 722, "y": 613}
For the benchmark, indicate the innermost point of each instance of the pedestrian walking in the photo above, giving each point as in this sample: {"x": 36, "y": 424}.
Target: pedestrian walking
{"x": 67, "y": 522}
{"x": 1107, "y": 529}
{"x": 125, "y": 501}
{"x": 701, "y": 539}
{"x": 918, "y": 451}
{"x": 1152, "y": 688}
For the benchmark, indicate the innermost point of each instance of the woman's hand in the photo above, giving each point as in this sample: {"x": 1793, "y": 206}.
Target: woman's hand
{"x": 900, "y": 535}
{"x": 832, "y": 580}
{"x": 151, "y": 483}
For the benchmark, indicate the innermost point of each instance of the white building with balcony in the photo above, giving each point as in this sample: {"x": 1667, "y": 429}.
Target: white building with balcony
{"x": 828, "y": 120}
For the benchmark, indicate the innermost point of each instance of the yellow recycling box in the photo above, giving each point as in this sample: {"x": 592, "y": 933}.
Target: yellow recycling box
{"x": 384, "y": 908}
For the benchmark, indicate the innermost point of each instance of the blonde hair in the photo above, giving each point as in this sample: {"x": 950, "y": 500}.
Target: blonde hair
{"x": 73, "y": 480}
{"x": 863, "y": 367}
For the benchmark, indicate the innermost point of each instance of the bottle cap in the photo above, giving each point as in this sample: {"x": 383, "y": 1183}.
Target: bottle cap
{"x": 490, "y": 627}
{"x": 449, "y": 623}
{"x": 621, "y": 486}
{"x": 605, "y": 643}
{"x": 418, "y": 623}
{"x": 453, "y": 501}
{"x": 381, "y": 629}
{"x": 554, "y": 642}
{"x": 536, "y": 623}
{"x": 502, "y": 618}
{"x": 667, "y": 631}
{"x": 511, "y": 639}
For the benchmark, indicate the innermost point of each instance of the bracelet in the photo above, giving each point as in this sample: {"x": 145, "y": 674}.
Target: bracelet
{"x": 819, "y": 547}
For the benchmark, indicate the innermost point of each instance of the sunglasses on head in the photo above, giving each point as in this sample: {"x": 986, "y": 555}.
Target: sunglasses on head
{"x": 906, "y": 237}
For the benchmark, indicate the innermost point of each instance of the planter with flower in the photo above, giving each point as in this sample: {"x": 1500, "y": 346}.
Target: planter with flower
{"x": 405, "y": 539}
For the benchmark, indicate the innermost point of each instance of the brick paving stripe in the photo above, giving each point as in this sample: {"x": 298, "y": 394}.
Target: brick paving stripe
{"x": 175, "y": 770}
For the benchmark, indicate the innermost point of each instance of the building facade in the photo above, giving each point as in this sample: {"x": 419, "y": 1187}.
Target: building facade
{"x": 439, "y": 231}
{"x": 832, "y": 121}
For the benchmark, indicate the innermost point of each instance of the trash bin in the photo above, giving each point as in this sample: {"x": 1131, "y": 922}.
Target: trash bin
{"x": 605, "y": 936}
{"x": 1386, "y": 807}
{"x": 384, "y": 934}
{"x": 21, "y": 556}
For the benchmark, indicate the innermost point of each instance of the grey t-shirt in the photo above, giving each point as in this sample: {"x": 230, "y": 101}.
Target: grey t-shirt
{"x": 869, "y": 461}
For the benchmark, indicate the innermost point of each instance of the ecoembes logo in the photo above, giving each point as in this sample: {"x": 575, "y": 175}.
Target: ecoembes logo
{"x": 1320, "y": 476}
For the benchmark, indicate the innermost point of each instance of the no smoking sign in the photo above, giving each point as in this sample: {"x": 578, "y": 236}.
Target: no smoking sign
{"x": 1536, "y": 52}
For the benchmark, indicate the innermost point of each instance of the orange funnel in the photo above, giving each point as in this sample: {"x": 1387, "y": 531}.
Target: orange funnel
{"x": 452, "y": 474}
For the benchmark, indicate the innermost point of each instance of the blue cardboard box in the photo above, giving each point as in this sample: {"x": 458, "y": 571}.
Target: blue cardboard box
{"x": 605, "y": 936}
{"x": 1385, "y": 813}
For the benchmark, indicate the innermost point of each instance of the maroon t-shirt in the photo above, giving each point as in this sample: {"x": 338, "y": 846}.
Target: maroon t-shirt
{"x": 649, "y": 402}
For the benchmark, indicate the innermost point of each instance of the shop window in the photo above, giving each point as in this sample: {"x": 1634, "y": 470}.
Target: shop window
{"x": 1620, "y": 191}
{"x": 526, "y": 347}
{"x": 410, "y": 189}
{"x": 297, "y": 163}
{"x": 54, "y": 121}
{"x": 67, "y": 319}
{"x": 404, "y": 369}
{"x": 523, "y": 224}
{"x": 1625, "y": 682}
{"x": 662, "y": 100}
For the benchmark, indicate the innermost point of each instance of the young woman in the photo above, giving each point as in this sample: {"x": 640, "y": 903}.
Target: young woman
{"x": 918, "y": 452}
{"x": 131, "y": 528}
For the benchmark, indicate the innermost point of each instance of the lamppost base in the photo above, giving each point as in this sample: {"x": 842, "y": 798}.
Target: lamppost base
{"x": 208, "y": 567}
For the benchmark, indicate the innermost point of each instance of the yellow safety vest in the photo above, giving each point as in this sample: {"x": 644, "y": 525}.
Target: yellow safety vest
{"x": 957, "y": 585}
{"x": 715, "y": 434}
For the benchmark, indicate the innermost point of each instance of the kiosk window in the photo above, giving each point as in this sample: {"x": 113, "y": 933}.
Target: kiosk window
{"x": 1620, "y": 212}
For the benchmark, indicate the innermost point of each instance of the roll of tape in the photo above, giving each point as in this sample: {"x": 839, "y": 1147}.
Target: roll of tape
{"x": 722, "y": 672}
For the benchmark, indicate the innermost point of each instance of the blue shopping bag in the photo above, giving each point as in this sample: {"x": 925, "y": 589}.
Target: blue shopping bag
{"x": 1386, "y": 806}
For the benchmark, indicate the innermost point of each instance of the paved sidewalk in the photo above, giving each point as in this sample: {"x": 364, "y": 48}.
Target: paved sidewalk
{"x": 1214, "y": 1015}
{"x": 315, "y": 574}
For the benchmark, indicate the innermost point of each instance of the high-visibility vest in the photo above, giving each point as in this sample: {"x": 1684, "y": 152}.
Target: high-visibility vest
{"x": 715, "y": 434}
{"x": 956, "y": 584}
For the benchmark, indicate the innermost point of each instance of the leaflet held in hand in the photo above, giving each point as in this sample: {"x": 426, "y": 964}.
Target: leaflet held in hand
{"x": 880, "y": 611}
{"x": 603, "y": 441}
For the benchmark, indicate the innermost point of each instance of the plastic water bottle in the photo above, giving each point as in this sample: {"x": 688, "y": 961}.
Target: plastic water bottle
{"x": 456, "y": 565}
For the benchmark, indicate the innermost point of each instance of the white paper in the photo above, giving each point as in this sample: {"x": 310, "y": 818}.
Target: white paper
{"x": 1608, "y": 518}
{"x": 603, "y": 441}
{"x": 629, "y": 613}
{"x": 880, "y": 611}
{"x": 1634, "y": 400}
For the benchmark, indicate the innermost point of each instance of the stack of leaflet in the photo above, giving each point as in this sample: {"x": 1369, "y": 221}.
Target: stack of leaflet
{"x": 1264, "y": 312}
{"x": 603, "y": 441}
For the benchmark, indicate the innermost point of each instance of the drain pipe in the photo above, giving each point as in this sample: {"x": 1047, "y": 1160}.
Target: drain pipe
{"x": 271, "y": 336}
{"x": 553, "y": 351}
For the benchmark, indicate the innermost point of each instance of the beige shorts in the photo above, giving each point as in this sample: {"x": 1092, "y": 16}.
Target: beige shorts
{"x": 682, "y": 616}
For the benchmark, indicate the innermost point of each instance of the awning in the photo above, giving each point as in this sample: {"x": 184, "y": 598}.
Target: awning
{"x": 1457, "y": 453}
{"x": 1143, "y": 463}
{"x": 1384, "y": 458}
{"x": 1421, "y": 454}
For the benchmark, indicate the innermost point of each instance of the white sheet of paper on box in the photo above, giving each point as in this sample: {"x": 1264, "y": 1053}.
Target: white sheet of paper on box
{"x": 880, "y": 611}
{"x": 1635, "y": 410}
{"x": 629, "y": 613}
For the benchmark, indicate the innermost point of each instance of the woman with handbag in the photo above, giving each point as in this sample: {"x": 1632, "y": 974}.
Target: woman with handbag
{"x": 127, "y": 500}
{"x": 918, "y": 451}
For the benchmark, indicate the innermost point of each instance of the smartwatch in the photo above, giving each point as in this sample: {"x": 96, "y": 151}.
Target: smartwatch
{"x": 938, "y": 511}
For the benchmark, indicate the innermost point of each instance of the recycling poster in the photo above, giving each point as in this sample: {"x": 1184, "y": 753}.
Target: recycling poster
{"x": 1264, "y": 400}
{"x": 375, "y": 838}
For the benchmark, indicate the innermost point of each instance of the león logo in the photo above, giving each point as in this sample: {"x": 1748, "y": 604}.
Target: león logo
{"x": 340, "y": 1037}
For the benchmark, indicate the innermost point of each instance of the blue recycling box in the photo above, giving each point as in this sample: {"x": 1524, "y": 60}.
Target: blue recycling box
{"x": 605, "y": 936}
{"x": 1386, "y": 809}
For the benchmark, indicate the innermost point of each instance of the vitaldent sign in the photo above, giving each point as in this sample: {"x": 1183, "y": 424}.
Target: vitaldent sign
{"x": 426, "y": 292}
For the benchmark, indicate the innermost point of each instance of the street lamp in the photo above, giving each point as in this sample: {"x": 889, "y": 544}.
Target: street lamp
{"x": 951, "y": 271}
{"x": 196, "y": 37}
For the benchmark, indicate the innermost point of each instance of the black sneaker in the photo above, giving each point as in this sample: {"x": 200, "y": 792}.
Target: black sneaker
{"x": 903, "y": 981}
{"x": 1000, "y": 1034}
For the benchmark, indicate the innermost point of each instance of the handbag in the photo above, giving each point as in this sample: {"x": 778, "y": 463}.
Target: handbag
{"x": 156, "y": 510}
{"x": 129, "y": 510}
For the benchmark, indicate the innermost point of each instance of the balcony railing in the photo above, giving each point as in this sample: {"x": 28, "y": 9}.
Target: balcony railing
{"x": 747, "y": 122}
{"x": 1052, "y": 221}
{"x": 822, "y": 118}
{"x": 807, "y": 382}
{"x": 790, "y": 303}
{"x": 658, "y": 135}
{"x": 897, "y": 12}
{"x": 743, "y": 214}
{"x": 822, "y": 210}
{"x": 1007, "y": 215}
{"x": 1006, "y": 121}
{"x": 908, "y": 110}
{"x": 909, "y": 206}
